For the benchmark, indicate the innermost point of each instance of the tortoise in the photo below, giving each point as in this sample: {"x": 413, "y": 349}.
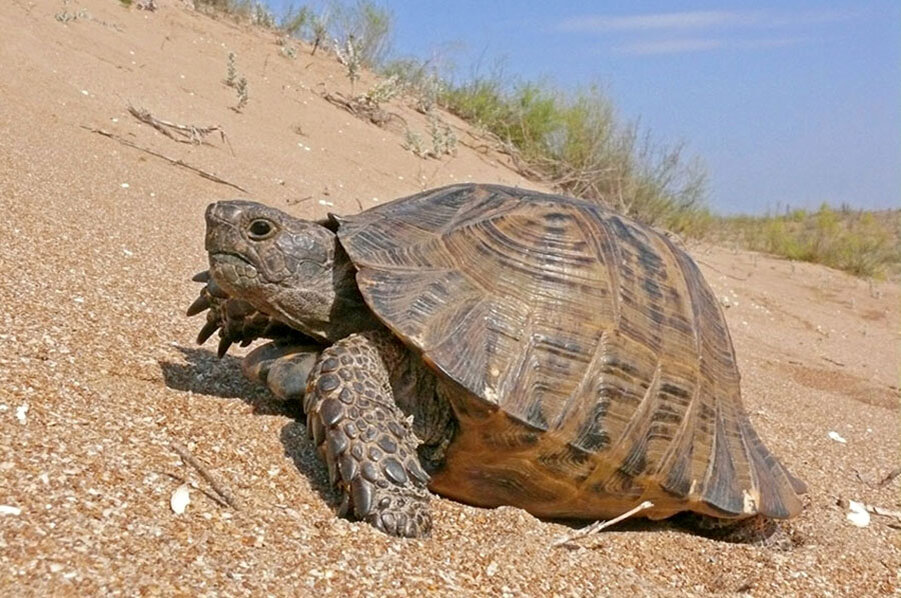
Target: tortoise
{"x": 496, "y": 346}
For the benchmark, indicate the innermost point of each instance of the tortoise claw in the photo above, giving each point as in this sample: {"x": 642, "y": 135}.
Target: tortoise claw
{"x": 200, "y": 304}
{"x": 201, "y": 276}
{"x": 361, "y": 493}
{"x": 215, "y": 290}
{"x": 224, "y": 344}
{"x": 207, "y": 331}
{"x": 344, "y": 509}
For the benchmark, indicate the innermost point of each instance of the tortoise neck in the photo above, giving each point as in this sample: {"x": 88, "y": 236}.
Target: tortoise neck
{"x": 349, "y": 312}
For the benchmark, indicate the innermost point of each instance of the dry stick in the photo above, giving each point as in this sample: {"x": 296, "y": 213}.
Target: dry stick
{"x": 717, "y": 270}
{"x": 890, "y": 476}
{"x": 361, "y": 110}
{"x": 188, "y": 133}
{"x": 600, "y": 525}
{"x": 188, "y": 458}
{"x": 883, "y": 511}
{"x": 173, "y": 161}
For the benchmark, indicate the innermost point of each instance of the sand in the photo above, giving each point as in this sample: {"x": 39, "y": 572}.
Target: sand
{"x": 99, "y": 373}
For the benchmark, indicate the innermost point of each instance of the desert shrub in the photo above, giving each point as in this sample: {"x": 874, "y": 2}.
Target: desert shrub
{"x": 577, "y": 142}
{"x": 417, "y": 79}
{"x": 862, "y": 243}
{"x": 368, "y": 24}
{"x": 254, "y": 11}
{"x": 295, "y": 21}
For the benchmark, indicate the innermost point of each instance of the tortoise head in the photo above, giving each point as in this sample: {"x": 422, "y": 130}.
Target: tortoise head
{"x": 292, "y": 269}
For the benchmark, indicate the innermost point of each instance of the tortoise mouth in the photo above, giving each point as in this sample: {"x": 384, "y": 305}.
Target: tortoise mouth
{"x": 234, "y": 272}
{"x": 228, "y": 257}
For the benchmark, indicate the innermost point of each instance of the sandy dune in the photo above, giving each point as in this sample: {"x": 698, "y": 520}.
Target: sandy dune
{"x": 99, "y": 373}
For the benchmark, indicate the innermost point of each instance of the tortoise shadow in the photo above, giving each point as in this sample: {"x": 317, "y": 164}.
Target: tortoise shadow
{"x": 299, "y": 448}
{"x": 205, "y": 374}
{"x": 684, "y": 523}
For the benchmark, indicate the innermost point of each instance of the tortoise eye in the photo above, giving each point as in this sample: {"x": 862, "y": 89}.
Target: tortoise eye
{"x": 260, "y": 229}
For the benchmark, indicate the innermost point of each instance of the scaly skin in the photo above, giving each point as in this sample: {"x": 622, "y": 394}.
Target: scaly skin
{"x": 291, "y": 281}
{"x": 365, "y": 439}
{"x": 757, "y": 530}
{"x": 236, "y": 320}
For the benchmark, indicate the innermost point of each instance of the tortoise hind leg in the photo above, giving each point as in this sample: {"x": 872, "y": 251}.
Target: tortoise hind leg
{"x": 757, "y": 530}
{"x": 365, "y": 439}
{"x": 283, "y": 366}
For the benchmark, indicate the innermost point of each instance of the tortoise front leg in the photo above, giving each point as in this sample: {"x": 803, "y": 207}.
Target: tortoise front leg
{"x": 367, "y": 443}
{"x": 236, "y": 320}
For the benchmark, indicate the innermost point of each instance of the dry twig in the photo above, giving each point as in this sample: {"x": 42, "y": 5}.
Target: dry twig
{"x": 890, "y": 476}
{"x": 173, "y": 161}
{"x": 601, "y": 525}
{"x": 726, "y": 274}
{"x": 181, "y": 133}
{"x": 882, "y": 511}
{"x": 189, "y": 459}
{"x": 363, "y": 110}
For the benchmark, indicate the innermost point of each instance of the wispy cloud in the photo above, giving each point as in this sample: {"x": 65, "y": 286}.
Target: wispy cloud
{"x": 686, "y": 45}
{"x": 669, "y": 20}
{"x": 668, "y": 46}
{"x": 705, "y": 30}
{"x": 709, "y": 19}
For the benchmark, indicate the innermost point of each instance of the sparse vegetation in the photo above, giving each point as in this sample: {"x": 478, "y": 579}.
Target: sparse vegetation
{"x": 239, "y": 83}
{"x": 250, "y": 10}
{"x": 231, "y": 69}
{"x": 576, "y": 142}
{"x": 286, "y": 48}
{"x": 443, "y": 138}
{"x": 368, "y": 24}
{"x": 319, "y": 28}
{"x": 66, "y": 17}
{"x": 296, "y": 20}
{"x": 419, "y": 80}
{"x": 860, "y": 242}
{"x": 350, "y": 58}
{"x": 243, "y": 96}
{"x": 383, "y": 91}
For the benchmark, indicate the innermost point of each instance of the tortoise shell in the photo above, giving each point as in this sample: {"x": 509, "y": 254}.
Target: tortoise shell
{"x": 586, "y": 359}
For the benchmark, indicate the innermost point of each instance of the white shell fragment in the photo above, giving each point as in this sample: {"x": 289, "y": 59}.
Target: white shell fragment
{"x": 857, "y": 514}
{"x": 180, "y": 499}
{"x": 8, "y": 510}
{"x": 836, "y": 437}
{"x": 21, "y": 412}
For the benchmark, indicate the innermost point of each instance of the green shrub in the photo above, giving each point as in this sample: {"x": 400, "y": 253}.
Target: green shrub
{"x": 295, "y": 21}
{"x": 252, "y": 10}
{"x": 861, "y": 243}
{"x": 576, "y": 142}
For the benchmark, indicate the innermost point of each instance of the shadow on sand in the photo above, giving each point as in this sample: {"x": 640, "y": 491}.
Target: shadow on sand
{"x": 204, "y": 373}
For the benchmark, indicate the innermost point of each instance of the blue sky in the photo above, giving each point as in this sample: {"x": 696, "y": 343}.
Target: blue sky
{"x": 786, "y": 103}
